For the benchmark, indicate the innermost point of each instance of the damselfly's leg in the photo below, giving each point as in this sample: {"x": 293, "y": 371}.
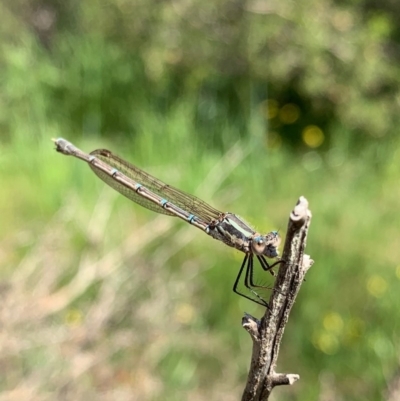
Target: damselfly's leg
{"x": 248, "y": 263}
{"x": 249, "y": 281}
{"x": 266, "y": 266}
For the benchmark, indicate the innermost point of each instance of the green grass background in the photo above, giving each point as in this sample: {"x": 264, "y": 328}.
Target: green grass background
{"x": 104, "y": 300}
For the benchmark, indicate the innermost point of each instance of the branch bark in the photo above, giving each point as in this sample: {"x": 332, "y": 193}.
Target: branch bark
{"x": 267, "y": 333}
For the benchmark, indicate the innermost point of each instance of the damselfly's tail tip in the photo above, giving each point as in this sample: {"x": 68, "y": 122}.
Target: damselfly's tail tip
{"x": 56, "y": 140}
{"x": 61, "y": 145}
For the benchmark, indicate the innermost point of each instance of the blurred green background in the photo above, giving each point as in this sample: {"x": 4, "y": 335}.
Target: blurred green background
{"x": 247, "y": 104}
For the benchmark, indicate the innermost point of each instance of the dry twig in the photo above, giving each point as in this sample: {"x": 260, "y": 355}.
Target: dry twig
{"x": 267, "y": 333}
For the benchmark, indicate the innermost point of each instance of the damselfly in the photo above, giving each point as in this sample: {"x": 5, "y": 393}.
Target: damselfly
{"x": 155, "y": 195}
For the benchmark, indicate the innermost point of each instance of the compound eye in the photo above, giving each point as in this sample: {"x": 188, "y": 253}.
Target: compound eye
{"x": 258, "y": 245}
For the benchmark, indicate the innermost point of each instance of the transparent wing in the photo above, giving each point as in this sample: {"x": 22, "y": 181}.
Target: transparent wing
{"x": 179, "y": 198}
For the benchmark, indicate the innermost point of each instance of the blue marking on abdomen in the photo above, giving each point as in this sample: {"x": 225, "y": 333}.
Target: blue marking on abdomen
{"x": 137, "y": 186}
{"x": 191, "y": 217}
{"x": 114, "y": 171}
{"x": 163, "y": 202}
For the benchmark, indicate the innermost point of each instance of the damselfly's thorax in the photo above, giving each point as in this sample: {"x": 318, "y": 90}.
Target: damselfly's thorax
{"x": 235, "y": 232}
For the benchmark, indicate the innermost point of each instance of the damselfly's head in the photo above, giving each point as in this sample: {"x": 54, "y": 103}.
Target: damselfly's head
{"x": 266, "y": 244}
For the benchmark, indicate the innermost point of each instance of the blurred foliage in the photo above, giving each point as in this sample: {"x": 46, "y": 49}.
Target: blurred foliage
{"x": 246, "y": 104}
{"x": 94, "y": 66}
